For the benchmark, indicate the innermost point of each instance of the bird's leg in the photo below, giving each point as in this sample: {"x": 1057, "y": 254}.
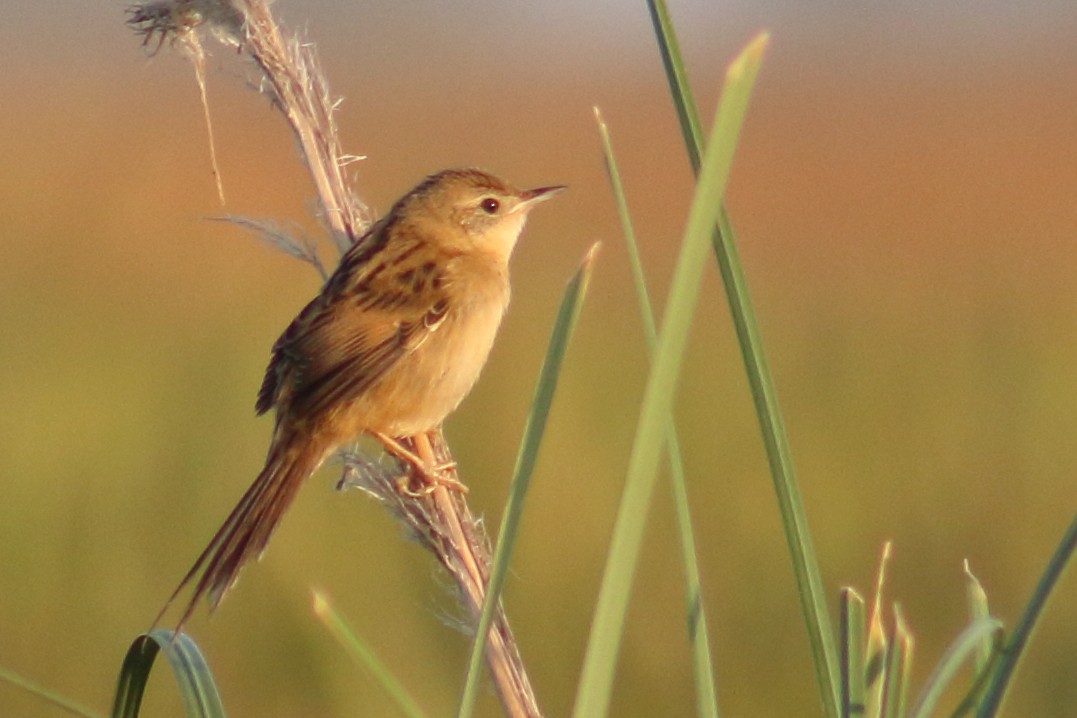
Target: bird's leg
{"x": 441, "y": 473}
{"x": 402, "y": 452}
{"x": 424, "y": 463}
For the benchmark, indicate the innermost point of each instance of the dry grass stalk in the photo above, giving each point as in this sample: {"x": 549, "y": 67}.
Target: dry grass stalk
{"x": 291, "y": 77}
{"x": 442, "y": 522}
{"x": 439, "y": 517}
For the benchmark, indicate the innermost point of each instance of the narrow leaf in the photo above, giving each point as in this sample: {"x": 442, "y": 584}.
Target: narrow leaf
{"x": 853, "y": 627}
{"x": 794, "y": 519}
{"x": 596, "y": 679}
{"x": 696, "y": 618}
{"x": 564, "y": 324}
{"x": 677, "y": 78}
{"x": 878, "y": 641}
{"x": 978, "y": 608}
{"x": 45, "y": 694}
{"x": 962, "y": 649}
{"x": 1015, "y": 646}
{"x": 192, "y": 674}
{"x": 898, "y": 669}
{"x": 359, "y": 650}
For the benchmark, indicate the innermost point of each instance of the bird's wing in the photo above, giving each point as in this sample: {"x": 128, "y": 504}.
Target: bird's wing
{"x": 361, "y": 324}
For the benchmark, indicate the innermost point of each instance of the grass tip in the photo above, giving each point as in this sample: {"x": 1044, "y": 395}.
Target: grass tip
{"x": 321, "y": 606}
{"x": 880, "y": 578}
{"x": 592, "y": 253}
{"x": 750, "y": 56}
{"x": 759, "y": 44}
{"x": 899, "y": 618}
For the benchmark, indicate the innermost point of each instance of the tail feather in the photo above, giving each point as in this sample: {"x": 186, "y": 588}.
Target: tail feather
{"x": 244, "y": 534}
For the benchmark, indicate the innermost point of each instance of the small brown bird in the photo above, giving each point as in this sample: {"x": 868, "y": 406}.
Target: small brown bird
{"x": 391, "y": 345}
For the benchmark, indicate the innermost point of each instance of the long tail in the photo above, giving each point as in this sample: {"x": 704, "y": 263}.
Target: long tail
{"x": 245, "y": 532}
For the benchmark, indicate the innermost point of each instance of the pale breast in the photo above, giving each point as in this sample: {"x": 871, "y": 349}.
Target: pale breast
{"x": 425, "y": 386}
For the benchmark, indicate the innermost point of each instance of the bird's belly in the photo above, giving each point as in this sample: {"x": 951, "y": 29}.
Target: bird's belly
{"x": 425, "y": 386}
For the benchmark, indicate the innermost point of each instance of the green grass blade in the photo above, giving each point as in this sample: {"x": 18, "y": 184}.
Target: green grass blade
{"x": 359, "y": 650}
{"x": 963, "y": 648}
{"x": 568, "y": 313}
{"x": 980, "y": 678}
{"x": 898, "y": 669}
{"x": 794, "y": 519}
{"x": 978, "y": 608}
{"x": 192, "y": 674}
{"x": 853, "y": 640}
{"x": 47, "y": 695}
{"x": 677, "y": 78}
{"x": 878, "y": 642}
{"x": 596, "y": 680}
{"x": 1015, "y": 645}
{"x": 698, "y": 633}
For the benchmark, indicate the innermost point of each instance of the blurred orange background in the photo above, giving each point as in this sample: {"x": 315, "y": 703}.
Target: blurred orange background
{"x": 905, "y": 196}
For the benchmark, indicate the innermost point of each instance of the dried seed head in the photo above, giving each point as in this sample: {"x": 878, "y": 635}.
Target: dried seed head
{"x": 176, "y": 20}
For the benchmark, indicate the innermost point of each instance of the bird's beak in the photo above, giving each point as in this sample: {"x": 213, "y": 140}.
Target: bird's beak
{"x": 531, "y": 197}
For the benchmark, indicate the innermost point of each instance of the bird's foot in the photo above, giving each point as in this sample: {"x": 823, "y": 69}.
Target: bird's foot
{"x": 431, "y": 475}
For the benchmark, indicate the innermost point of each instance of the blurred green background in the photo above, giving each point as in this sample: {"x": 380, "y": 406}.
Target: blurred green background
{"x": 906, "y": 200}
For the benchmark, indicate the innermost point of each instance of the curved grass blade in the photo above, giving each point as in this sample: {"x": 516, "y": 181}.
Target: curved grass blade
{"x": 794, "y": 520}
{"x": 1015, "y": 645}
{"x": 592, "y": 698}
{"x": 963, "y": 648}
{"x": 567, "y": 314}
{"x": 363, "y": 653}
{"x": 196, "y": 686}
{"x": 47, "y": 695}
{"x": 698, "y": 633}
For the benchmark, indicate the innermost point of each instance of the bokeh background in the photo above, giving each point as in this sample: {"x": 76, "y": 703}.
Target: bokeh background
{"x": 906, "y": 202}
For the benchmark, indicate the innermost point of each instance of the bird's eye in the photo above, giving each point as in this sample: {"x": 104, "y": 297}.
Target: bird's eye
{"x": 490, "y": 205}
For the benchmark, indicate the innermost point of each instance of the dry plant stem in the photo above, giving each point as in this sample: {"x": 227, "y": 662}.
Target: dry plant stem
{"x": 301, "y": 93}
{"x": 290, "y": 74}
{"x": 442, "y": 522}
{"x": 465, "y": 553}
